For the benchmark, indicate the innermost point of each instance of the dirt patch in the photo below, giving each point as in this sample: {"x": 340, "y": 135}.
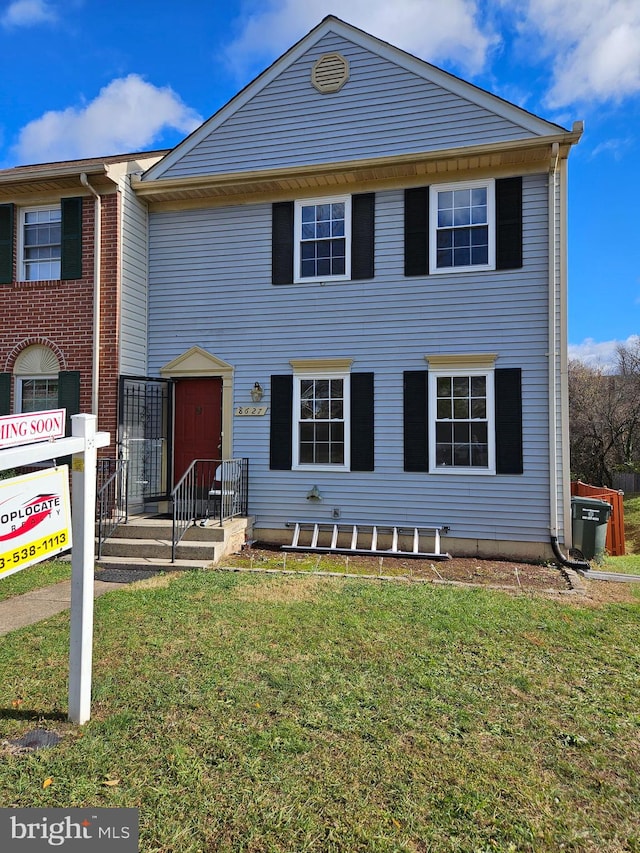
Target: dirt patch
{"x": 499, "y": 573}
{"x": 508, "y": 575}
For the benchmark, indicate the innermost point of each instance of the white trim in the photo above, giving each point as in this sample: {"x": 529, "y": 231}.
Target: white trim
{"x": 433, "y": 376}
{"x": 529, "y": 122}
{"x": 21, "y": 266}
{"x": 298, "y": 278}
{"x": 434, "y": 190}
{"x": 329, "y": 374}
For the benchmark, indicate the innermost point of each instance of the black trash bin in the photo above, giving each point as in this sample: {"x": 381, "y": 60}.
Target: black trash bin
{"x": 589, "y": 519}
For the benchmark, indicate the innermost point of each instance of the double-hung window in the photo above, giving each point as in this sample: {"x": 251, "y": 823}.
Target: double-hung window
{"x": 40, "y": 243}
{"x": 322, "y": 229}
{"x": 321, "y": 413}
{"x": 463, "y": 226}
{"x": 462, "y": 423}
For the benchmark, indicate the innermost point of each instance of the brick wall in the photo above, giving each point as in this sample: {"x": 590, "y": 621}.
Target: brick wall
{"x": 59, "y": 314}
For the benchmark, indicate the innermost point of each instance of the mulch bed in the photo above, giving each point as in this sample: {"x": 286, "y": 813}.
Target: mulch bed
{"x": 466, "y": 570}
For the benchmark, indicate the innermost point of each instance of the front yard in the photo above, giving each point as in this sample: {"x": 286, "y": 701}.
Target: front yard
{"x": 276, "y": 713}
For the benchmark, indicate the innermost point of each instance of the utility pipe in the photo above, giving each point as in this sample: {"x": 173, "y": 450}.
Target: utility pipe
{"x": 97, "y": 292}
{"x": 553, "y": 367}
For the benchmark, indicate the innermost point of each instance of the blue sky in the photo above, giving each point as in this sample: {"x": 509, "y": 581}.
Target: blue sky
{"x": 85, "y": 78}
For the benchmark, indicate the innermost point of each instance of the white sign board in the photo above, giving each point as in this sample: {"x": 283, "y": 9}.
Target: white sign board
{"x": 30, "y": 427}
{"x": 35, "y": 518}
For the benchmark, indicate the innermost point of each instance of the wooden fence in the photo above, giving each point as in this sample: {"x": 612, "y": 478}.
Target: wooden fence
{"x": 628, "y": 482}
{"x": 615, "y": 528}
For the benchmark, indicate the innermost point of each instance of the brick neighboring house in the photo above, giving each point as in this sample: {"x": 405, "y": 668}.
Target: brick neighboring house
{"x": 58, "y": 291}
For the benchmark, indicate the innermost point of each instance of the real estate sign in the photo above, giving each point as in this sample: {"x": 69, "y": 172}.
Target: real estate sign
{"x": 35, "y": 518}
{"x": 32, "y": 426}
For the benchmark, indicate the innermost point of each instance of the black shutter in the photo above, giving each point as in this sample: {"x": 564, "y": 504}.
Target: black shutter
{"x": 508, "y": 223}
{"x": 416, "y": 231}
{"x": 282, "y": 242}
{"x": 5, "y": 393}
{"x": 362, "y": 422}
{"x": 281, "y": 434}
{"x": 508, "y": 392}
{"x": 71, "y": 249}
{"x": 6, "y": 243}
{"x": 362, "y": 235}
{"x": 416, "y": 451}
{"x": 69, "y": 394}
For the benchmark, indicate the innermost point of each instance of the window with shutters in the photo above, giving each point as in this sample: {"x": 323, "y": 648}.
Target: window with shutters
{"x": 462, "y": 218}
{"x": 322, "y": 230}
{"x": 462, "y": 423}
{"x": 321, "y": 414}
{"x": 40, "y": 247}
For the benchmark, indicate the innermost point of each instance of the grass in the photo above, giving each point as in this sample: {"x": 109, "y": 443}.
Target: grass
{"x": 34, "y": 577}
{"x": 630, "y": 563}
{"x": 267, "y": 713}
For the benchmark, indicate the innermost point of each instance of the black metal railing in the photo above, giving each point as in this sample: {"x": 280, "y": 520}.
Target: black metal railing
{"x": 210, "y": 490}
{"x": 111, "y": 498}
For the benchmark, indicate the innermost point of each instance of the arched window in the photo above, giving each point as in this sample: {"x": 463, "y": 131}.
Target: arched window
{"x": 36, "y": 379}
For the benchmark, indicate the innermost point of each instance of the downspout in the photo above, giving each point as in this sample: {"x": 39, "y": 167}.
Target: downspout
{"x": 553, "y": 369}
{"x": 97, "y": 291}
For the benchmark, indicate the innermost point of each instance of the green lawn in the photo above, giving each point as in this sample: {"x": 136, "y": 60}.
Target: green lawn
{"x": 268, "y": 713}
{"x": 630, "y": 563}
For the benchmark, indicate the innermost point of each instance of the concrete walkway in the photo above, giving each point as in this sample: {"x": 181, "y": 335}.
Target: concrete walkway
{"x": 40, "y": 604}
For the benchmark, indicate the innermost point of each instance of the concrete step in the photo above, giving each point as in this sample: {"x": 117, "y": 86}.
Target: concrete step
{"x": 150, "y": 564}
{"x": 161, "y": 548}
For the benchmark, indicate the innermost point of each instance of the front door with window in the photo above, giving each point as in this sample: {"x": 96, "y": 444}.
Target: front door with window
{"x": 198, "y": 422}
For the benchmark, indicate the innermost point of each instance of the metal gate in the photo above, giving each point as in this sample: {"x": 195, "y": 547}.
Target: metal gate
{"x": 144, "y": 432}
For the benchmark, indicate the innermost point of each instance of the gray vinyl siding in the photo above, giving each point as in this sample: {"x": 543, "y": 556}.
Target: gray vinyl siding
{"x": 383, "y": 107}
{"x": 133, "y": 307}
{"x": 210, "y": 286}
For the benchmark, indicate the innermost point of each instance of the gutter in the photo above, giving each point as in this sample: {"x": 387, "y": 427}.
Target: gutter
{"x": 97, "y": 291}
{"x": 554, "y": 271}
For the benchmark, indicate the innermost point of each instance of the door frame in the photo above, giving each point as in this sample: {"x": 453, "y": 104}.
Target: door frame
{"x": 198, "y": 363}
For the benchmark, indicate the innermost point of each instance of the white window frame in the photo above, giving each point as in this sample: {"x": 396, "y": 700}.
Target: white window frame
{"x": 434, "y": 191}
{"x": 22, "y": 264}
{"x": 322, "y": 374}
{"x": 20, "y": 380}
{"x": 297, "y": 238}
{"x": 466, "y": 470}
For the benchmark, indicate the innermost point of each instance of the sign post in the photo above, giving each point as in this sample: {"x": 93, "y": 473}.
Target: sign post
{"x": 82, "y": 445}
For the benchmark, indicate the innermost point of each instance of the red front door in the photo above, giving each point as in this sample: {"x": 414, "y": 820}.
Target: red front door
{"x": 197, "y": 430}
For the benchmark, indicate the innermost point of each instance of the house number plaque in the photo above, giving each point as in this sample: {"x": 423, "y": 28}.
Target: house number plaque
{"x": 250, "y": 411}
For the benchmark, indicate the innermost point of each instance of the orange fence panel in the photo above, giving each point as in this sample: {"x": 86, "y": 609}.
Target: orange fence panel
{"x": 615, "y": 528}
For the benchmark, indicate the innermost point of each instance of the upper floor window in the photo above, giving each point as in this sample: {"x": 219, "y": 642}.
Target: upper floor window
{"x": 463, "y": 220}
{"x": 323, "y": 239}
{"x": 41, "y": 241}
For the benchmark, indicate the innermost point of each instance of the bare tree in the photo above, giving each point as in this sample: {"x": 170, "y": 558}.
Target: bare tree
{"x": 605, "y": 418}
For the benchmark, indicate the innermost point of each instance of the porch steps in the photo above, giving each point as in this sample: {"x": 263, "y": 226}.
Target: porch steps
{"x": 145, "y": 543}
{"x": 382, "y": 540}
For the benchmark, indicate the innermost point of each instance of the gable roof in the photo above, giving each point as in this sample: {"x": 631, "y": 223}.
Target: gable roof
{"x": 531, "y": 124}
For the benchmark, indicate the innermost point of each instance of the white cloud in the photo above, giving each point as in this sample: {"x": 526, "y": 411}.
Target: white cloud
{"x": 592, "y": 46}
{"x": 430, "y": 29}
{"x": 602, "y": 354}
{"x": 127, "y": 115}
{"x": 27, "y": 13}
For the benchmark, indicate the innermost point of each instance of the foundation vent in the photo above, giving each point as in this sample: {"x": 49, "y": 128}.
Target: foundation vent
{"x": 330, "y": 73}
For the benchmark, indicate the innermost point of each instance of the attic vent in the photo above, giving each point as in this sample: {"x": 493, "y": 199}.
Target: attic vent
{"x": 330, "y": 73}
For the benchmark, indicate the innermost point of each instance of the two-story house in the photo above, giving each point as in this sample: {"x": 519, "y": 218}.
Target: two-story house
{"x": 357, "y": 280}
{"x": 73, "y": 285}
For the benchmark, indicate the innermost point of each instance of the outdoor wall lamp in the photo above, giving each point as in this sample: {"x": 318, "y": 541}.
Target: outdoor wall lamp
{"x": 257, "y": 392}
{"x": 314, "y": 494}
